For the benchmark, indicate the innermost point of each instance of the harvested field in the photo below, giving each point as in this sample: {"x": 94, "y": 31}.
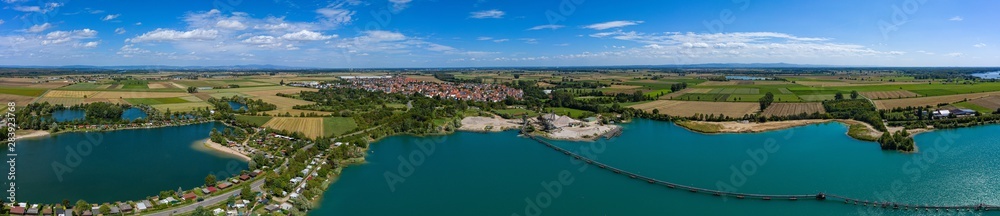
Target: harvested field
{"x": 929, "y": 101}
{"x": 156, "y": 101}
{"x": 31, "y": 83}
{"x": 311, "y": 127}
{"x": 273, "y": 92}
{"x": 991, "y": 102}
{"x": 70, "y": 94}
{"x": 202, "y": 96}
{"x": 191, "y": 98}
{"x": 227, "y": 95}
{"x": 17, "y": 99}
{"x": 158, "y": 85}
{"x": 63, "y": 101}
{"x": 689, "y": 108}
{"x": 877, "y": 95}
{"x": 678, "y": 94}
{"x": 181, "y": 106}
{"x": 787, "y": 109}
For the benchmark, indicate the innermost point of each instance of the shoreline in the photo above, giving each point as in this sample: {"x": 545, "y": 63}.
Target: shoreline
{"x": 223, "y": 149}
{"x": 737, "y": 127}
{"x": 34, "y": 134}
{"x": 38, "y": 133}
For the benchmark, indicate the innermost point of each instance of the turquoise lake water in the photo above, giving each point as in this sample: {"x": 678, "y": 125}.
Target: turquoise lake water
{"x": 117, "y": 165}
{"x": 237, "y": 106}
{"x": 502, "y": 174}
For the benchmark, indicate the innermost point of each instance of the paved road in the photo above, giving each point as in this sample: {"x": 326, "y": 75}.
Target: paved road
{"x": 214, "y": 200}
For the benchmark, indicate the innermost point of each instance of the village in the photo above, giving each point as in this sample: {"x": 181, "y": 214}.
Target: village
{"x": 404, "y": 85}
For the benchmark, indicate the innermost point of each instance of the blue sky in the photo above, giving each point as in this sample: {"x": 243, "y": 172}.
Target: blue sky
{"x": 474, "y": 33}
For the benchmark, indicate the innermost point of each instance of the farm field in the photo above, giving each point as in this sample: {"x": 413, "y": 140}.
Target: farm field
{"x": 63, "y": 101}
{"x": 311, "y": 127}
{"x": 929, "y": 101}
{"x": 32, "y": 83}
{"x": 19, "y": 100}
{"x": 156, "y": 101}
{"x": 787, "y": 109}
{"x": 969, "y": 105}
{"x": 182, "y": 106}
{"x": 255, "y": 120}
{"x": 815, "y": 98}
{"x": 689, "y": 108}
{"x": 991, "y": 102}
{"x": 249, "y": 89}
{"x": 876, "y": 95}
{"x": 223, "y": 83}
{"x": 31, "y": 92}
{"x": 338, "y": 125}
{"x": 935, "y": 89}
{"x": 112, "y": 94}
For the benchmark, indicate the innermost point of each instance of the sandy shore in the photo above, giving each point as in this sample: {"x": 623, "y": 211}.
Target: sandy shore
{"x": 586, "y": 133}
{"x": 227, "y": 150}
{"x": 737, "y": 127}
{"x": 479, "y": 124}
{"x": 34, "y": 133}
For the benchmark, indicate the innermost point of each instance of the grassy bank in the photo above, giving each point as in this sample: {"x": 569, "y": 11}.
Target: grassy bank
{"x": 700, "y": 127}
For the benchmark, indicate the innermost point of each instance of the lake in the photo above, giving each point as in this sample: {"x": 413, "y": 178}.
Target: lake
{"x": 988, "y": 75}
{"x": 237, "y": 106}
{"x": 117, "y": 165}
{"x": 502, "y": 174}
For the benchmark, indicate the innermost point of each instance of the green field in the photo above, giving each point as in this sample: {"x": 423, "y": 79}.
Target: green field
{"x": 572, "y": 113}
{"x": 975, "y": 107}
{"x": 935, "y": 89}
{"x": 338, "y": 125}
{"x": 255, "y": 120}
{"x": 735, "y": 97}
{"x": 156, "y": 101}
{"x": 32, "y": 92}
{"x": 82, "y": 86}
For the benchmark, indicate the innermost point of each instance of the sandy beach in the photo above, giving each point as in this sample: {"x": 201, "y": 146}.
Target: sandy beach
{"x": 33, "y": 134}
{"x": 227, "y": 150}
{"x": 753, "y": 127}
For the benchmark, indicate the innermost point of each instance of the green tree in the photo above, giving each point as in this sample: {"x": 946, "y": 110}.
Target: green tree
{"x": 245, "y": 193}
{"x": 105, "y": 209}
{"x": 656, "y": 111}
{"x": 838, "y": 96}
{"x": 210, "y": 180}
{"x": 65, "y": 202}
{"x": 200, "y": 211}
{"x": 854, "y": 94}
{"x": 81, "y": 206}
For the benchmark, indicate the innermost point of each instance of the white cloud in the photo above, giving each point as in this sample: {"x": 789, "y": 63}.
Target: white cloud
{"x": 612, "y": 24}
{"x": 306, "y": 35}
{"x": 955, "y": 54}
{"x": 231, "y": 24}
{"x": 120, "y": 31}
{"x": 87, "y": 45}
{"x": 925, "y": 52}
{"x": 138, "y": 23}
{"x": 1, "y": 22}
{"x": 553, "y": 27}
{"x": 59, "y": 37}
{"x": 979, "y": 45}
{"x": 956, "y": 18}
{"x": 39, "y": 28}
{"x": 28, "y": 8}
{"x": 110, "y": 17}
{"x": 337, "y": 14}
{"x": 174, "y": 35}
{"x": 501, "y": 40}
{"x": 484, "y": 38}
{"x": 261, "y": 39}
{"x": 487, "y": 14}
{"x": 398, "y": 5}
{"x": 529, "y": 40}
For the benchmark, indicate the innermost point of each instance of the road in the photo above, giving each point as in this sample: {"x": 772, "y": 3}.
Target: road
{"x": 214, "y": 200}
